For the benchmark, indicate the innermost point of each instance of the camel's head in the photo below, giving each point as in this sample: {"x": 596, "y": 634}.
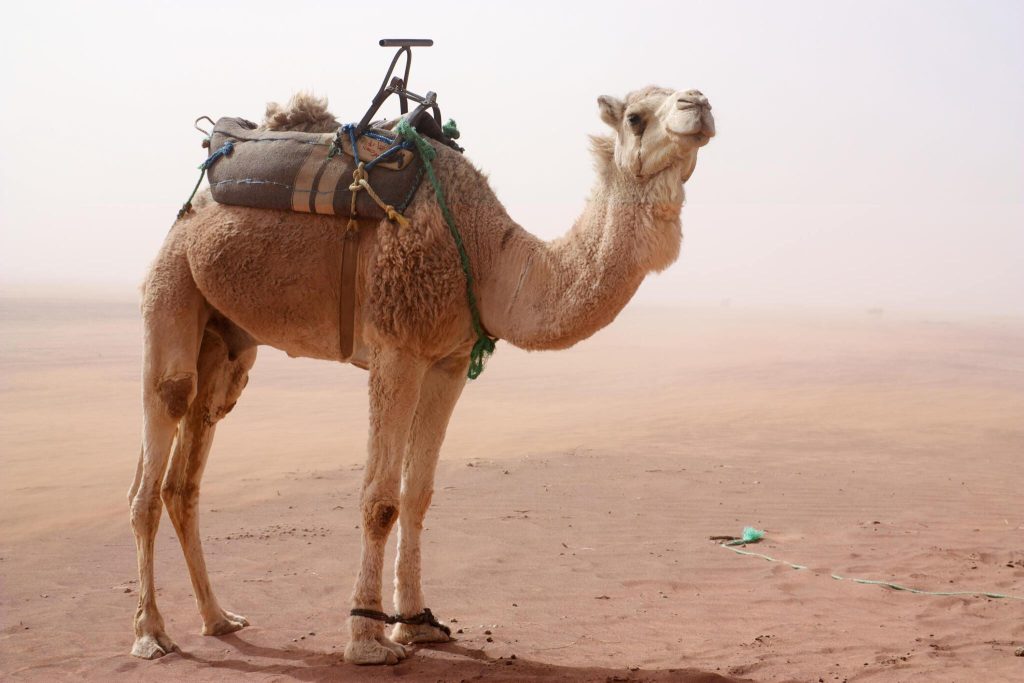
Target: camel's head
{"x": 657, "y": 128}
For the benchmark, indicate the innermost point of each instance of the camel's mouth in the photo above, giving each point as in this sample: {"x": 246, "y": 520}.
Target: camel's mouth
{"x": 691, "y": 121}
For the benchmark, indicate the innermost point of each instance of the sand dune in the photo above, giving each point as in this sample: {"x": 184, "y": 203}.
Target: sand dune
{"x": 574, "y": 502}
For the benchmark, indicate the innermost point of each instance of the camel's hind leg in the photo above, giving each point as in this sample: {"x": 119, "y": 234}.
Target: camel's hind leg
{"x": 174, "y": 315}
{"x": 223, "y": 373}
{"x": 442, "y": 387}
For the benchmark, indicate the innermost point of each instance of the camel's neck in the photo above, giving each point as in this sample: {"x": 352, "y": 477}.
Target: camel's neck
{"x": 550, "y": 295}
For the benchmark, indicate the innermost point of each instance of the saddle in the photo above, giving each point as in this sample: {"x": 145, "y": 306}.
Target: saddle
{"x": 311, "y": 172}
{"x": 326, "y": 173}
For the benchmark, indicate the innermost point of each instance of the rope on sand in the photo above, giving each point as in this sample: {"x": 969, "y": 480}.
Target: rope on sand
{"x": 752, "y": 535}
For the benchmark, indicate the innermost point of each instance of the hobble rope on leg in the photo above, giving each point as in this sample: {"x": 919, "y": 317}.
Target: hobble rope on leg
{"x": 425, "y": 617}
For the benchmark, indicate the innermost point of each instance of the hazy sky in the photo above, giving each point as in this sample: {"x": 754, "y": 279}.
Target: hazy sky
{"x": 870, "y": 154}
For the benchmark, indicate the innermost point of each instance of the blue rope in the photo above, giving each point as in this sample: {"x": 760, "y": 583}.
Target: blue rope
{"x": 253, "y": 181}
{"x": 377, "y": 136}
{"x": 225, "y": 150}
{"x": 350, "y": 128}
{"x": 386, "y": 153}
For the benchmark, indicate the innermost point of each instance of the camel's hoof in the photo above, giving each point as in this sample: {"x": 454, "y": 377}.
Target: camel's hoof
{"x": 228, "y": 623}
{"x": 377, "y": 651}
{"x": 420, "y": 633}
{"x": 152, "y": 646}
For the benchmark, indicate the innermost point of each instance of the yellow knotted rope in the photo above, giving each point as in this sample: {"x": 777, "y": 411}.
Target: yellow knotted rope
{"x": 359, "y": 182}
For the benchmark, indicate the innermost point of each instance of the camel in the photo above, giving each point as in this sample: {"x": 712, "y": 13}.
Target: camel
{"x": 228, "y": 279}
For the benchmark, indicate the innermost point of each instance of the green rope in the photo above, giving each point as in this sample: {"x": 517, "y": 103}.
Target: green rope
{"x": 226, "y": 149}
{"x": 187, "y": 206}
{"x": 484, "y": 345}
{"x": 450, "y": 129}
{"x": 750, "y": 535}
{"x": 758, "y": 535}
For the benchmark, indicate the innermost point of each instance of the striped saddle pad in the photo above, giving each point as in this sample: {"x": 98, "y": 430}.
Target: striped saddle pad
{"x": 308, "y": 172}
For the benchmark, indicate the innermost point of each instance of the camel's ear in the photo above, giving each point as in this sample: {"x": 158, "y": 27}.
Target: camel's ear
{"x": 611, "y": 110}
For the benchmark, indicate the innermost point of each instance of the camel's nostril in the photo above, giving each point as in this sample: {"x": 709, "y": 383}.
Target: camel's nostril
{"x": 692, "y": 99}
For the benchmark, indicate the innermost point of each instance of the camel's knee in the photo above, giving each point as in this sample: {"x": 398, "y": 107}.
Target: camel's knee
{"x": 379, "y": 516}
{"x": 176, "y": 393}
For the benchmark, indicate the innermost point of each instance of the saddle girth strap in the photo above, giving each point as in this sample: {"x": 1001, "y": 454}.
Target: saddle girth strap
{"x": 347, "y": 303}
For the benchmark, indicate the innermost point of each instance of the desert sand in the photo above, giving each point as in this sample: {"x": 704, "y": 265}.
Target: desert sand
{"x": 568, "y": 539}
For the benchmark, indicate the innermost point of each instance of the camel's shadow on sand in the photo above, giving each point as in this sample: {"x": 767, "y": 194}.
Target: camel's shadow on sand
{"x": 444, "y": 662}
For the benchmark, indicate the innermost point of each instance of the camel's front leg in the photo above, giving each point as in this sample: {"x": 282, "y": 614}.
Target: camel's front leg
{"x": 395, "y": 380}
{"x": 442, "y": 387}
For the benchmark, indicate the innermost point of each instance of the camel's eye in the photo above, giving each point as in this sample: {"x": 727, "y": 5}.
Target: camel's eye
{"x": 636, "y": 123}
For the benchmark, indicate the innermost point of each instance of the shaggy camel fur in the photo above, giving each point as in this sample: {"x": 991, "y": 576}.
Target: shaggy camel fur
{"x": 230, "y": 278}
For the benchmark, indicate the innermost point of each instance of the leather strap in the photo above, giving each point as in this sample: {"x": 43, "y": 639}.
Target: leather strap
{"x": 347, "y": 304}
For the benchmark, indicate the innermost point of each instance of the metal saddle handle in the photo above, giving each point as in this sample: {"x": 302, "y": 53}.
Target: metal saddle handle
{"x": 426, "y": 108}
